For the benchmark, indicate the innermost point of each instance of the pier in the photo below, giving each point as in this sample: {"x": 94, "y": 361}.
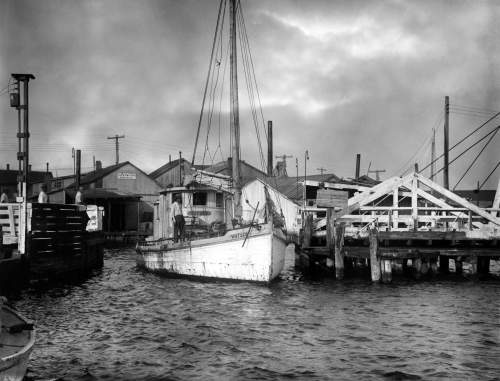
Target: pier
{"x": 406, "y": 224}
{"x": 48, "y": 241}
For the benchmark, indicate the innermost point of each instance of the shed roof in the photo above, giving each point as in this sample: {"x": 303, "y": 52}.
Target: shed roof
{"x": 94, "y": 176}
{"x": 172, "y": 164}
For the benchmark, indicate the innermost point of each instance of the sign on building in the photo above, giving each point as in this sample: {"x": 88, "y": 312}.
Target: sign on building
{"x": 126, "y": 176}
{"x": 329, "y": 198}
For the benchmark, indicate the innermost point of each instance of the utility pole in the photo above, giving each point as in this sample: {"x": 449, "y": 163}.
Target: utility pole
{"x": 73, "y": 155}
{"x": 284, "y": 157}
{"x": 306, "y": 157}
{"x": 446, "y": 178}
{"x": 358, "y": 162}
{"x": 376, "y": 171}
{"x": 117, "y": 147}
{"x": 321, "y": 170}
{"x": 180, "y": 168}
{"x": 23, "y": 154}
{"x": 15, "y": 101}
{"x": 433, "y": 154}
{"x": 297, "y": 182}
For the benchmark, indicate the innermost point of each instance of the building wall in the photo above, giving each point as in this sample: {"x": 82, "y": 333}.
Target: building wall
{"x": 172, "y": 177}
{"x": 255, "y": 193}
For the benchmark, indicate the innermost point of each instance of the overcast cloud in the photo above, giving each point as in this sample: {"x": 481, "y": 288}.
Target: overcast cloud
{"x": 336, "y": 77}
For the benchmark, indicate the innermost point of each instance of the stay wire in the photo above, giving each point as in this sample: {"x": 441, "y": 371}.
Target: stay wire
{"x": 475, "y": 159}
{"x": 470, "y": 147}
{"x": 488, "y": 177}
{"x": 249, "y": 84}
{"x": 462, "y": 140}
{"x": 222, "y": 2}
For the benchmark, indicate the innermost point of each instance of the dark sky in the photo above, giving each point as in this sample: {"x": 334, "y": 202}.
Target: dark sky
{"x": 336, "y": 77}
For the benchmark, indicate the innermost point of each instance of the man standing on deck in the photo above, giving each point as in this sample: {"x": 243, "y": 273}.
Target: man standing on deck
{"x": 42, "y": 196}
{"x": 178, "y": 219}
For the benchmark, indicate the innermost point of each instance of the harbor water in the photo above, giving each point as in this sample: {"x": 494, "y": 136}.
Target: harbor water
{"x": 122, "y": 323}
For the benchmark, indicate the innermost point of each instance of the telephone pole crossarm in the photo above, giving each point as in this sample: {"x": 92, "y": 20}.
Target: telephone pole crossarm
{"x": 117, "y": 146}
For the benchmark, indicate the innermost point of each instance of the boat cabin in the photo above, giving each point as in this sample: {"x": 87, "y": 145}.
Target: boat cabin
{"x": 206, "y": 209}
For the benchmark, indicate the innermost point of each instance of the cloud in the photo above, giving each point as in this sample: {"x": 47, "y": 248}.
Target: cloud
{"x": 336, "y": 78}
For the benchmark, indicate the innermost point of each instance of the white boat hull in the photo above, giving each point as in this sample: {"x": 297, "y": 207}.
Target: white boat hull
{"x": 259, "y": 257}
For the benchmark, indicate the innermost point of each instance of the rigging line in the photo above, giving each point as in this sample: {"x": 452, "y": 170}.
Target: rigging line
{"x": 408, "y": 162}
{"x": 253, "y": 71}
{"x": 470, "y": 147}
{"x": 475, "y": 159}
{"x": 252, "y": 82}
{"x": 487, "y": 178}
{"x": 250, "y": 90}
{"x": 208, "y": 76}
{"x": 435, "y": 127}
{"x": 213, "y": 90}
{"x": 462, "y": 140}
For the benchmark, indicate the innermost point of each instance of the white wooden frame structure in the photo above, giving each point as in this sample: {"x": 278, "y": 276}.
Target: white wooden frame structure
{"x": 432, "y": 208}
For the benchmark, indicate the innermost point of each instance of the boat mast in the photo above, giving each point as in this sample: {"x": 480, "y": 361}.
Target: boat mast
{"x": 235, "y": 117}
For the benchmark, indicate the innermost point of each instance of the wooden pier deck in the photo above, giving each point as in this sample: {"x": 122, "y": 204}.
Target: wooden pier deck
{"x": 404, "y": 222}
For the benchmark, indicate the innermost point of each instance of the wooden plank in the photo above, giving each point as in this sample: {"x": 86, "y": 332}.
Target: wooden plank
{"x": 329, "y": 198}
{"x": 422, "y": 235}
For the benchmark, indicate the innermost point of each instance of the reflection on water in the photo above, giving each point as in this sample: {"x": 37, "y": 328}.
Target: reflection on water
{"x": 126, "y": 324}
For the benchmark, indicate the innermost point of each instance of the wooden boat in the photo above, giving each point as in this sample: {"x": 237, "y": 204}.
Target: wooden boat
{"x": 251, "y": 249}
{"x": 254, "y": 253}
{"x": 17, "y": 338}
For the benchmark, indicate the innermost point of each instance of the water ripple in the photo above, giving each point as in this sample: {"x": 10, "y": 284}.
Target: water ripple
{"x": 123, "y": 323}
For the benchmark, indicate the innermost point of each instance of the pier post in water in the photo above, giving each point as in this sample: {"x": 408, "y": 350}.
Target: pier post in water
{"x": 459, "y": 269}
{"x": 307, "y": 230}
{"x": 330, "y": 241}
{"x": 483, "y": 265}
{"x": 374, "y": 260}
{"x": 417, "y": 267}
{"x": 444, "y": 264}
{"x": 386, "y": 269}
{"x": 338, "y": 235}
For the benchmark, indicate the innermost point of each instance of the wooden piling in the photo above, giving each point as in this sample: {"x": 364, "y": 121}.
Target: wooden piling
{"x": 374, "y": 260}
{"x": 338, "y": 234}
{"x": 307, "y": 230}
{"x": 386, "y": 269}
{"x": 330, "y": 241}
{"x": 483, "y": 265}
{"x": 417, "y": 268}
{"x": 458, "y": 266}
{"x": 474, "y": 265}
{"x": 434, "y": 266}
{"x": 444, "y": 264}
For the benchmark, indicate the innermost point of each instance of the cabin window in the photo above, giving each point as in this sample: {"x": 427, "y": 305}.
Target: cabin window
{"x": 219, "y": 200}
{"x": 174, "y": 197}
{"x": 200, "y": 198}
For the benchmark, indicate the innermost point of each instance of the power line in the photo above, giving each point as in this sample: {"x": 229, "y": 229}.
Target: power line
{"x": 463, "y": 139}
{"x": 475, "y": 159}
{"x": 487, "y": 178}
{"x": 470, "y": 147}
